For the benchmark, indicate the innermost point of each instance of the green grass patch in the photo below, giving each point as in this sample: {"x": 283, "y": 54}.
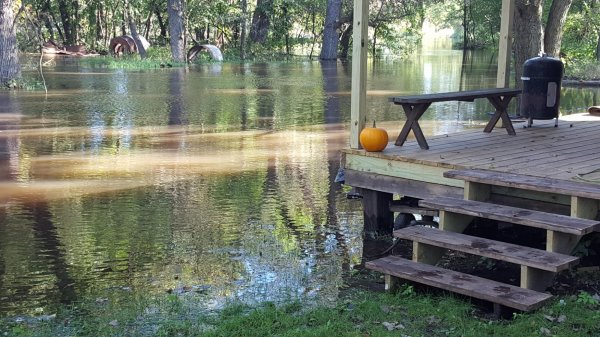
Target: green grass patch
{"x": 359, "y": 313}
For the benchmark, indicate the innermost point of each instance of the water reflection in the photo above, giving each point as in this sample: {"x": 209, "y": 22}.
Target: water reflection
{"x": 220, "y": 179}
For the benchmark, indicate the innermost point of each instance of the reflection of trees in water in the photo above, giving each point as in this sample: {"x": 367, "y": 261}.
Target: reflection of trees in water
{"x": 50, "y": 246}
{"x": 9, "y": 145}
{"x": 333, "y": 126}
{"x": 177, "y": 113}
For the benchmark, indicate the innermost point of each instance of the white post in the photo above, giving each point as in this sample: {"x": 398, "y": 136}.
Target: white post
{"x": 358, "y": 102}
{"x": 505, "y": 44}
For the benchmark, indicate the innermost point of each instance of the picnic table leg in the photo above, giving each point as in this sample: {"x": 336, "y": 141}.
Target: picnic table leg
{"x": 413, "y": 113}
{"x": 501, "y": 105}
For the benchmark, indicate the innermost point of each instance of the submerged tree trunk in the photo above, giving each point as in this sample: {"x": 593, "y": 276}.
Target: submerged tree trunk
{"x": 261, "y": 21}
{"x": 528, "y": 33}
{"x": 176, "y": 29}
{"x": 554, "y": 28}
{"x": 9, "y": 53}
{"x": 331, "y": 37}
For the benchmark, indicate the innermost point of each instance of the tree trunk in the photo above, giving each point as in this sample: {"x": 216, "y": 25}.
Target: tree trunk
{"x": 261, "y": 21}
{"x": 345, "y": 42}
{"x": 554, "y": 26}
{"x": 528, "y": 33}
{"x": 46, "y": 14}
{"x": 465, "y": 25}
{"x": 176, "y": 30}
{"x": 65, "y": 18}
{"x": 133, "y": 29}
{"x": 9, "y": 53}
{"x": 598, "y": 48}
{"x": 331, "y": 37}
{"x": 161, "y": 24}
{"x": 243, "y": 30}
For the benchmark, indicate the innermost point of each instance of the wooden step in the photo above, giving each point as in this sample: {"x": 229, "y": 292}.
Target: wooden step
{"x": 540, "y": 184}
{"x": 520, "y": 216}
{"x": 469, "y": 285}
{"x": 524, "y": 256}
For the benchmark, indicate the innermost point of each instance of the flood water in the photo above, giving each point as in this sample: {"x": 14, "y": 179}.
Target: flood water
{"x": 214, "y": 182}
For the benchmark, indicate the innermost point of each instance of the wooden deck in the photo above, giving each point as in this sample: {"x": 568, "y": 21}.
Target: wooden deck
{"x": 569, "y": 152}
{"x": 545, "y": 177}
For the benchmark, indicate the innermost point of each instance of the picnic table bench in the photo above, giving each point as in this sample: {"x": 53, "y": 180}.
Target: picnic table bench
{"x": 415, "y": 106}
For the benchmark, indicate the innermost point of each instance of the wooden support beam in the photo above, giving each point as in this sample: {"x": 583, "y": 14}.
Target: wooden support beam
{"x": 358, "y": 97}
{"x": 535, "y": 279}
{"x": 428, "y": 254}
{"x": 505, "y": 44}
{"x": 561, "y": 242}
{"x": 454, "y": 222}
{"x": 378, "y": 218}
{"x": 477, "y": 191}
{"x": 584, "y": 208}
{"x": 392, "y": 283}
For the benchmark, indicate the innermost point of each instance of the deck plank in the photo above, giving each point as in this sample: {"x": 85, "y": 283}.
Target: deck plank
{"x": 521, "y": 255}
{"x": 525, "y": 217}
{"x": 469, "y": 285}
{"x": 528, "y": 182}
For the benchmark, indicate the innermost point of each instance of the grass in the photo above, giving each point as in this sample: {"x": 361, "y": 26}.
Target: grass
{"x": 359, "y": 313}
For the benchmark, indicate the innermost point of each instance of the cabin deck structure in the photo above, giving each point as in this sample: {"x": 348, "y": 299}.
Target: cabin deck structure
{"x": 546, "y": 177}
{"x": 568, "y": 152}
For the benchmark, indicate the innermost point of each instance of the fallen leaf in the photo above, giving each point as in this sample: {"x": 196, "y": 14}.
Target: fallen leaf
{"x": 550, "y": 318}
{"x": 114, "y": 323}
{"x": 561, "y": 319}
{"x": 545, "y": 331}
{"x": 101, "y": 300}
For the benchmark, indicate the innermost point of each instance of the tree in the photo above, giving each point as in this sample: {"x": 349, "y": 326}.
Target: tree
{"x": 133, "y": 29}
{"x": 176, "y": 30}
{"x": 529, "y": 30}
{"x": 554, "y": 27}
{"x": 261, "y": 21}
{"x": 331, "y": 37}
{"x": 10, "y": 68}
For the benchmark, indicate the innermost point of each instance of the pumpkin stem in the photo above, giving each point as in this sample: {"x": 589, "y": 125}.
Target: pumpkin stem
{"x": 373, "y": 123}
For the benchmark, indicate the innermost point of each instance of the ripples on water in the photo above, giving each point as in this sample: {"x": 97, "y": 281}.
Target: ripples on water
{"x": 215, "y": 180}
{"x": 240, "y": 215}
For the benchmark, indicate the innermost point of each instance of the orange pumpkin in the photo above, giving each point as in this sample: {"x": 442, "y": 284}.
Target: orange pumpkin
{"x": 373, "y": 139}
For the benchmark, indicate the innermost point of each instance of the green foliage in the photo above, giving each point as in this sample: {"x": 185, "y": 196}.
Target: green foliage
{"x": 585, "y": 298}
{"x": 582, "y": 70}
{"x": 579, "y": 41}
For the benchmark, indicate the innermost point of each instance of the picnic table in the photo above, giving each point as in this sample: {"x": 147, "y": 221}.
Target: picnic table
{"x": 415, "y": 106}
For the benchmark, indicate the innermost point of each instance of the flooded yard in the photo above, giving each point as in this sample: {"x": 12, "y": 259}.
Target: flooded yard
{"x": 216, "y": 180}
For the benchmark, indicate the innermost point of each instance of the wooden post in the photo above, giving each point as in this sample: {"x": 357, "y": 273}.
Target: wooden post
{"x": 378, "y": 218}
{"x": 454, "y": 222}
{"x": 505, "y": 44}
{"x": 477, "y": 191}
{"x": 358, "y": 99}
{"x": 584, "y": 208}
